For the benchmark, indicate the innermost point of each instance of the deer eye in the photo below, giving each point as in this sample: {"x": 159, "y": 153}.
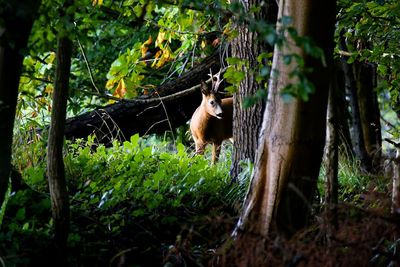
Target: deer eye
{"x": 212, "y": 102}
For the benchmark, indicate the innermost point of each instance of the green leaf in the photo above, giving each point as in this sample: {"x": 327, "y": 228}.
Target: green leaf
{"x": 20, "y": 216}
{"x": 25, "y": 226}
{"x": 181, "y": 150}
{"x": 134, "y": 140}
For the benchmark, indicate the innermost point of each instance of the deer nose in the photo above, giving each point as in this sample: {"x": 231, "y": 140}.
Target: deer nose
{"x": 219, "y": 115}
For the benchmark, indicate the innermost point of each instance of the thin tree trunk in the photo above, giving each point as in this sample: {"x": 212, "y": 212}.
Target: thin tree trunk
{"x": 365, "y": 74}
{"x": 396, "y": 183}
{"x": 351, "y": 86}
{"x": 16, "y": 23}
{"x": 55, "y": 163}
{"x": 247, "y": 121}
{"x": 343, "y": 115}
{"x": 292, "y": 137}
{"x": 332, "y": 161}
{"x": 332, "y": 154}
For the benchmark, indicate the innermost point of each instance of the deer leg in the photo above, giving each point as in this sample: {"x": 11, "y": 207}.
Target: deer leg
{"x": 200, "y": 147}
{"x": 215, "y": 152}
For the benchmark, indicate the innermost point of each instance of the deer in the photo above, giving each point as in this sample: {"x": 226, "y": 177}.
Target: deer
{"x": 211, "y": 122}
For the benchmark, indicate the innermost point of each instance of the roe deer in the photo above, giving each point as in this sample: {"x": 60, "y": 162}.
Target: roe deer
{"x": 212, "y": 121}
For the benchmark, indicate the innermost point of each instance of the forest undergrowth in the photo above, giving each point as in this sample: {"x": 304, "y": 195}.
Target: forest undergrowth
{"x": 150, "y": 203}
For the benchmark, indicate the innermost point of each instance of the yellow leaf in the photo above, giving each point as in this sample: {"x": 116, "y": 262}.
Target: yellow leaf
{"x": 97, "y": 2}
{"x": 49, "y": 89}
{"x": 51, "y": 58}
{"x": 120, "y": 91}
{"x": 158, "y": 54}
{"x": 149, "y": 41}
{"x": 110, "y": 84}
{"x": 165, "y": 57}
{"x": 203, "y": 44}
{"x": 145, "y": 46}
{"x": 160, "y": 38}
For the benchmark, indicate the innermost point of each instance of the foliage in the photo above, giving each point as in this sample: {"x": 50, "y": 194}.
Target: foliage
{"x": 352, "y": 182}
{"x": 371, "y": 30}
{"x": 144, "y": 193}
{"x": 286, "y": 35}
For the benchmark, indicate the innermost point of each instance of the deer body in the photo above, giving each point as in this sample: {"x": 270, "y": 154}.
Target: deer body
{"x": 211, "y": 123}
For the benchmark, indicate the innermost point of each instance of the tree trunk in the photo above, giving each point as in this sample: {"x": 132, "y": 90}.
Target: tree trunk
{"x": 16, "y": 24}
{"x": 292, "y": 136}
{"x": 247, "y": 122}
{"x": 55, "y": 163}
{"x": 332, "y": 161}
{"x": 357, "y": 132}
{"x": 365, "y": 74}
{"x": 332, "y": 152}
{"x": 172, "y": 106}
{"x": 396, "y": 184}
{"x": 343, "y": 115}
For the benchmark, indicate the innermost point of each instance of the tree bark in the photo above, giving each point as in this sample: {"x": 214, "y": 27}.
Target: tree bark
{"x": 292, "y": 136}
{"x": 17, "y": 20}
{"x": 343, "y": 115}
{"x": 365, "y": 74}
{"x": 332, "y": 161}
{"x": 247, "y": 121}
{"x": 171, "y": 105}
{"x": 395, "y": 209}
{"x": 332, "y": 151}
{"x": 357, "y": 131}
{"x": 55, "y": 163}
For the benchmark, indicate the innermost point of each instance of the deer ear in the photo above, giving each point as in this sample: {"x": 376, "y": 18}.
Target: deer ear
{"x": 204, "y": 88}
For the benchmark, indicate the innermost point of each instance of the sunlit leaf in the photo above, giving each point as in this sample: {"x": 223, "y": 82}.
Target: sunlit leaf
{"x": 97, "y": 2}
{"x": 120, "y": 91}
{"x": 145, "y": 46}
{"x": 160, "y": 38}
{"x": 49, "y": 89}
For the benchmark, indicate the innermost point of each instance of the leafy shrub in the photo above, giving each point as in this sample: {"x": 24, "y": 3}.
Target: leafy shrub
{"x": 145, "y": 198}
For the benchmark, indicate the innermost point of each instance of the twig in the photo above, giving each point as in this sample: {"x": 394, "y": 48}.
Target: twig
{"x": 151, "y": 127}
{"x": 121, "y": 253}
{"x": 396, "y": 145}
{"x": 388, "y": 123}
{"x": 166, "y": 114}
{"x": 146, "y": 109}
{"x": 87, "y": 65}
{"x": 346, "y": 53}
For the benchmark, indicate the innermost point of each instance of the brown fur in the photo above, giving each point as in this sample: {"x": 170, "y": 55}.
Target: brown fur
{"x": 206, "y": 128}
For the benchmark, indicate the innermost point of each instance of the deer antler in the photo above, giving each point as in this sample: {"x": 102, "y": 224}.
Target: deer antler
{"x": 216, "y": 80}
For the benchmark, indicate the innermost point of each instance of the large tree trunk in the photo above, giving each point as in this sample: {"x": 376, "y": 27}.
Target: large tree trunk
{"x": 55, "y": 163}
{"x": 247, "y": 121}
{"x": 292, "y": 136}
{"x": 16, "y": 23}
{"x": 172, "y": 106}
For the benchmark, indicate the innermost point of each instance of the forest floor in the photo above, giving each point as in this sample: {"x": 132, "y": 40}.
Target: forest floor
{"x": 359, "y": 232}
